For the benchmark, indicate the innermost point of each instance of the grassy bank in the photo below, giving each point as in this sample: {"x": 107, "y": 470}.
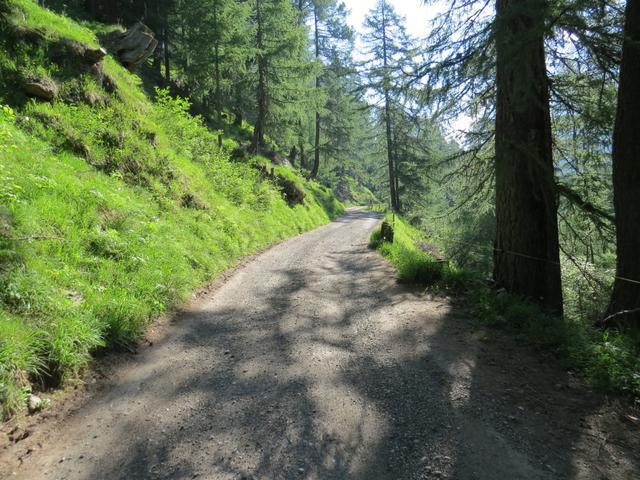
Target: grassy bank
{"x": 113, "y": 207}
{"x": 610, "y": 360}
{"x": 414, "y": 262}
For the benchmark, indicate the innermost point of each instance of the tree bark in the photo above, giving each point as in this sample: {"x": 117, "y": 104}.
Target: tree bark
{"x": 626, "y": 178}
{"x": 316, "y": 154}
{"x": 526, "y": 256}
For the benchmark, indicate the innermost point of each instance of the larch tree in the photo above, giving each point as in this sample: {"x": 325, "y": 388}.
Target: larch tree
{"x": 526, "y": 250}
{"x": 214, "y": 49}
{"x": 388, "y": 49}
{"x": 330, "y": 33}
{"x": 282, "y": 64}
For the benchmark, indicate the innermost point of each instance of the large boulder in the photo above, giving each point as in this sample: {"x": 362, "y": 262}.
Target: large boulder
{"x": 94, "y": 55}
{"x": 293, "y": 193}
{"x": 135, "y": 45}
{"x": 43, "y": 88}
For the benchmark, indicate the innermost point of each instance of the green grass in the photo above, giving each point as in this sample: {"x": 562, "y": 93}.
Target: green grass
{"x": 113, "y": 211}
{"x": 413, "y": 264}
{"x": 29, "y": 14}
{"x": 610, "y": 360}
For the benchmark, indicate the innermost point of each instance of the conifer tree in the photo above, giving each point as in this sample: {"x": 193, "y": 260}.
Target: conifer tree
{"x": 388, "y": 51}
{"x": 282, "y": 64}
{"x": 526, "y": 259}
{"x": 330, "y": 33}
{"x": 214, "y": 50}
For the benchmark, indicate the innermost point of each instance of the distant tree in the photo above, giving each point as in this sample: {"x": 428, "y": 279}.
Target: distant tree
{"x": 282, "y": 63}
{"x": 388, "y": 50}
{"x": 213, "y": 49}
{"x": 330, "y": 33}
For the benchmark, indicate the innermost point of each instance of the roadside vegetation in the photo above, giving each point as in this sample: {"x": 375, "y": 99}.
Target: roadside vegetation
{"x": 250, "y": 121}
{"x": 608, "y": 359}
{"x": 114, "y": 208}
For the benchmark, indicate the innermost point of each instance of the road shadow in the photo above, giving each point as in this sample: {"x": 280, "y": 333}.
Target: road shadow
{"x": 338, "y": 372}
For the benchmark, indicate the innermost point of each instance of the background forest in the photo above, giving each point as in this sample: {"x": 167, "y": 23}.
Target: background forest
{"x": 536, "y": 198}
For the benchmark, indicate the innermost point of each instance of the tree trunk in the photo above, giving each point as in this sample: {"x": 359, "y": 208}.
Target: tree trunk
{"x": 217, "y": 79}
{"x": 261, "y": 92}
{"x": 526, "y": 256}
{"x": 626, "y": 178}
{"x": 237, "y": 104}
{"x": 91, "y": 7}
{"x": 165, "y": 45}
{"x": 316, "y": 155}
{"x": 157, "y": 54}
{"x": 387, "y": 114}
{"x": 396, "y": 175}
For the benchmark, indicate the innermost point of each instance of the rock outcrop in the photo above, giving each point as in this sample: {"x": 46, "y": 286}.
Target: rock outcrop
{"x": 135, "y": 45}
{"x": 386, "y": 230}
{"x": 43, "y": 88}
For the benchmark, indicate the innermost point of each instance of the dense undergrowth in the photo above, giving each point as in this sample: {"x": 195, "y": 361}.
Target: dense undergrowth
{"x": 609, "y": 359}
{"x": 113, "y": 207}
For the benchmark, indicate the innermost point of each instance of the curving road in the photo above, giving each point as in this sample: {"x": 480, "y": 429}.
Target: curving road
{"x": 311, "y": 362}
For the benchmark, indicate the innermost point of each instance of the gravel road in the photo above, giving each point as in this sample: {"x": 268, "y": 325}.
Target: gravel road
{"x": 311, "y": 362}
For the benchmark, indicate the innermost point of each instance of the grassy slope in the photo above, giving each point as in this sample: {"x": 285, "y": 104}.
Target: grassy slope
{"x": 112, "y": 209}
{"x": 413, "y": 264}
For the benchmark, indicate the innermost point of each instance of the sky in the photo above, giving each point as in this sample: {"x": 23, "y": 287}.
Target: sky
{"x": 417, "y": 15}
{"x": 417, "y": 20}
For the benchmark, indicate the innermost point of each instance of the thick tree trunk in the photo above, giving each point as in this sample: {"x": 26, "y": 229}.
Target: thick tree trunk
{"x": 626, "y": 178}
{"x": 316, "y": 153}
{"x": 526, "y": 257}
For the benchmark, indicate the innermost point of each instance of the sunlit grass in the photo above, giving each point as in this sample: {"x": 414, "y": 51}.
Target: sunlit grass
{"x": 112, "y": 213}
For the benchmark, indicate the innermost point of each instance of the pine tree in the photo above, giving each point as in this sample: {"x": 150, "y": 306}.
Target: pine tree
{"x": 282, "y": 64}
{"x": 388, "y": 50}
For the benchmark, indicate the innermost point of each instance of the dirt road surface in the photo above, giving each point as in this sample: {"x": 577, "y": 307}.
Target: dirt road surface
{"x": 311, "y": 362}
